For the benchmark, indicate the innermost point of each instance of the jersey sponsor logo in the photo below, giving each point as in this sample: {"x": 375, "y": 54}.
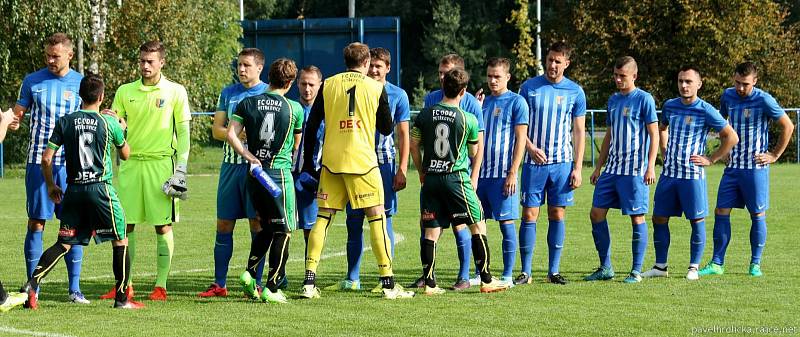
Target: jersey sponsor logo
{"x": 160, "y": 103}
{"x": 322, "y": 196}
{"x": 66, "y": 232}
{"x": 104, "y": 231}
{"x": 438, "y": 166}
{"x": 350, "y": 124}
{"x": 428, "y": 215}
{"x": 460, "y": 215}
{"x": 365, "y": 195}
{"x": 86, "y": 176}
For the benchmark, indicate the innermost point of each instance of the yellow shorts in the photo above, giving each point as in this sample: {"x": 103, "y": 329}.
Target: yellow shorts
{"x": 140, "y": 191}
{"x": 361, "y": 190}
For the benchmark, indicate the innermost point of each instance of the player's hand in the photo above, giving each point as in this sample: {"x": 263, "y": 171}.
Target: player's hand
{"x": 575, "y": 179}
{"x": 112, "y": 113}
{"x": 480, "y": 96}
{"x": 175, "y": 186}
{"x": 765, "y": 158}
{"x": 421, "y": 177}
{"x": 55, "y": 193}
{"x": 473, "y": 179}
{"x": 510, "y": 186}
{"x": 537, "y": 154}
{"x": 399, "y": 182}
{"x": 700, "y": 160}
{"x": 650, "y": 176}
{"x": 595, "y": 175}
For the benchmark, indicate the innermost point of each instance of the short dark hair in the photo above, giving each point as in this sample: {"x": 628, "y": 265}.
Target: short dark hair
{"x": 154, "y": 46}
{"x": 380, "y": 53}
{"x": 561, "y": 47}
{"x": 624, "y": 61}
{"x": 453, "y": 59}
{"x": 59, "y": 38}
{"x": 355, "y": 54}
{"x": 454, "y": 80}
{"x": 691, "y": 67}
{"x": 92, "y": 87}
{"x": 282, "y": 72}
{"x": 499, "y": 62}
{"x": 312, "y": 69}
{"x": 746, "y": 69}
{"x": 256, "y": 53}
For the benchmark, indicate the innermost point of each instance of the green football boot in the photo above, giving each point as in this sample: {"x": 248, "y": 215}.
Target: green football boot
{"x": 248, "y": 285}
{"x": 601, "y": 274}
{"x": 755, "y": 270}
{"x": 712, "y": 269}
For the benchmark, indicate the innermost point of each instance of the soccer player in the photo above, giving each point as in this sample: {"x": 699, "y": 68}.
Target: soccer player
{"x": 448, "y": 136}
{"x": 745, "y": 181}
{"x": 555, "y": 157}
{"x": 393, "y": 177}
{"x": 280, "y": 123}
{"x": 506, "y": 118}
{"x": 308, "y": 84}
{"x": 628, "y": 153}
{"x": 353, "y": 106}
{"x": 471, "y": 105}
{"x": 7, "y": 121}
{"x": 90, "y": 206}
{"x": 157, "y": 113}
{"x": 685, "y": 122}
{"x": 233, "y": 200}
{"x": 49, "y": 94}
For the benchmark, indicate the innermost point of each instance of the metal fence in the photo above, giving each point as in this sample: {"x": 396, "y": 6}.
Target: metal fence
{"x": 591, "y": 120}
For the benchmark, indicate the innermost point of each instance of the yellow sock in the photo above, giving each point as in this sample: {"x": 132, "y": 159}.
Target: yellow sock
{"x": 316, "y": 240}
{"x": 381, "y": 245}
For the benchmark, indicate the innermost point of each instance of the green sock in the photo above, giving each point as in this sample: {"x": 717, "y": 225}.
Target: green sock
{"x": 131, "y": 253}
{"x": 165, "y": 246}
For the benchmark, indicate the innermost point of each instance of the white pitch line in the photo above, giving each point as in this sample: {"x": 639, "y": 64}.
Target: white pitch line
{"x": 31, "y": 333}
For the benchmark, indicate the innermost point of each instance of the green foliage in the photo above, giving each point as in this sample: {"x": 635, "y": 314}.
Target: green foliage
{"x": 418, "y": 94}
{"x": 525, "y": 62}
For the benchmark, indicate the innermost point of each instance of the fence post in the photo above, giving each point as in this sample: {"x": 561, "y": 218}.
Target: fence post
{"x": 591, "y": 135}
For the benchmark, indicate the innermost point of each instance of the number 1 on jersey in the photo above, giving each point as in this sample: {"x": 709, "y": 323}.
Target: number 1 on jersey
{"x": 351, "y": 105}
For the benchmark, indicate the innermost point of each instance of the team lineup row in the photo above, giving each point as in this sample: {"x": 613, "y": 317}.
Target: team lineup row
{"x": 468, "y": 150}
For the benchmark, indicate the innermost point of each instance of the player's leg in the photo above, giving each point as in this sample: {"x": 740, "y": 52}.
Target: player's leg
{"x": 161, "y": 211}
{"x": 306, "y": 211}
{"x": 756, "y": 189}
{"x": 694, "y": 199}
{"x": 46, "y": 263}
{"x": 430, "y": 207}
{"x": 665, "y": 205}
{"x": 229, "y": 208}
{"x": 355, "y": 246}
{"x": 605, "y": 196}
{"x": 634, "y": 197}
{"x": 729, "y": 195}
{"x": 74, "y": 258}
{"x": 280, "y": 215}
{"x": 131, "y": 197}
{"x": 331, "y": 196}
{"x": 261, "y": 241}
{"x": 39, "y": 209}
{"x": 559, "y": 196}
{"x": 532, "y": 189}
{"x": 464, "y": 250}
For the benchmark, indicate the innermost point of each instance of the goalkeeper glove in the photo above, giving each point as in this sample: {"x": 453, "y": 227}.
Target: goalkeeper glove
{"x": 175, "y": 187}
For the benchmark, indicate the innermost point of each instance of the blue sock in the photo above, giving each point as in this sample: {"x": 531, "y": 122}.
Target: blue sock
{"x": 722, "y": 236}
{"x": 260, "y": 268}
{"x": 639, "y": 245}
{"x": 758, "y": 238}
{"x": 555, "y": 243}
{"x": 509, "y": 248}
{"x": 661, "y": 242}
{"x": 355, "y": 246}
{"x": 464, "y": 247}
{"x": 527, "y": 242}
{"x": 698, "y": 242}
{"x": 74, "y": 260}
{"x": 33, "y": 250}
{"x": 223, "y": 250}
{"x": 390, "y": 231}
{"x": 602, "y": 242}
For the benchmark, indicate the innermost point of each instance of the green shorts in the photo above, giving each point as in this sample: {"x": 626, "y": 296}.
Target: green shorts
{"x": 140, "y": 191}
{"x": 275, "y": 214}
{"x": 88, "y": 211}
{"x": 449, "y": 198}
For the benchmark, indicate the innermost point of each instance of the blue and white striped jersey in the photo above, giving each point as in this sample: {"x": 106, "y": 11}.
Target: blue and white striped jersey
{"x": 48, "y": 97}
{"x": 501, "y": 115}
{"x": 399, "y": 107}
{"x": 228, "y": 99}
{"x": 468, "y": 103}
{"x": 552, "y": 107}
{"x": 298, "y": 155}
{"x": 749, "y": 116}
{"x": 628, "y": 117}
{"x": 688, "y": 129}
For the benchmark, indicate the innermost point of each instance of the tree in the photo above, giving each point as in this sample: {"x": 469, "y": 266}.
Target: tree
{"x": 525, "y": 63}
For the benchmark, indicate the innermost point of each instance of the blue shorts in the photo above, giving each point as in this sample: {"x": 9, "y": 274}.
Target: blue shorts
{"x": 306, "y": 204}
{"x": 233, "y": 198}
{"x": 495, "y": 205}
{"x": 674, "y": 195}
{"x": 626, "y": 193}
{"x": 744, "y": 187}
{"x": 389, "y": 195}
{"x": 551, "y": 181}
{"x": 38, "y": 202}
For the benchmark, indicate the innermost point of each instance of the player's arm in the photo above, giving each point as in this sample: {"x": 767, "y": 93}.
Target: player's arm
{"x": 787, "y": 128}
{"x": 219, "y": 131}
{"x": 520, "y": 141}
{"x": 315, "y": 118}
{"x": 663, "y": 136}
{"x": 652, "y": 153}
{"x": 53, "y": 190}
{"x": 6, "y": 118}
{"x": 401, "y": 130}
{"x": 182, "y": 118}
{"x": 579, "y": 144}
{"x": 383, "y": 122}
{"x": 728, "y": 139}
{"x": 602, "y": 157}
{"x": 235, "y": 127}
{"x": 416, "y": 156}
{"x": 476, "y": 160}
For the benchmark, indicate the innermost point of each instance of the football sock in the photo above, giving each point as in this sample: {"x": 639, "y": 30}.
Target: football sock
{"x": 387, "y": 282}
{"x": 509, "y": 248}
{"x": 132, "y": 253}
{"x": 427, "y": 254}
{"x": 480, "y": 248}
{"x": 722, "y": 236}
{"x": 639, "y": 245}
{"x": 165, "y": 246}
{"x": 259, "y": 272}
{"x": 661, "y": 242}
{"x": 316, "y": 240}
{"x": 698, "y": 242}
{"x": 379, "y": 240}
{"x": 278, "y": 254}
{"x": 33, "y": 250}
{"x": 555, "y": 243}
{"x": 758, "y": 238}
{"x": 73, "y": 260}
{"x": 390, "y": 231}
{"x": 122, "y": 269}
{"x": 527, "y": 241}
{"x": 223, "y": 251}
{"x": 602, "y": 242}
{"x": 258, "y": 249}
{"x": 463, "y": 246}
{"x": 310, "y": 279}
{"x": 355, "y": 246}
{"x": 46, "y": 263}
